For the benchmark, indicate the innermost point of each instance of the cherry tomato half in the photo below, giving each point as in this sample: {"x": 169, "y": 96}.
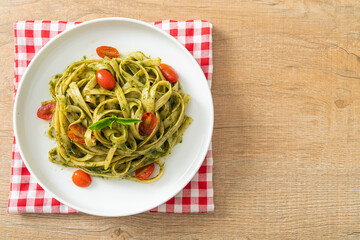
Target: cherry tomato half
{"x": 145, "y": 172}
{"x": 148, "y": 124}
{"x": 107, "y": 51}
{"x": 169, "y": 73}
{"x": 105, "y": 79}
{"x": 81, "y": 178}
{"x": 76, "y": 133}
{"x": 46, "y": 111}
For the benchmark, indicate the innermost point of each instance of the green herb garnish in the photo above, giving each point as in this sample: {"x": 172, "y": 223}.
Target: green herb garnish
{"x": 108, "y": 122}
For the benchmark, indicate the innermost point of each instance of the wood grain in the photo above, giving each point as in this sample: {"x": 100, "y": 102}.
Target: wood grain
{"x": 286, "y": 140}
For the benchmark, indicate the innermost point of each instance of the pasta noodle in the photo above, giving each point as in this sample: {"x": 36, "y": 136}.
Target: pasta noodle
{"x": 116, "y": 151}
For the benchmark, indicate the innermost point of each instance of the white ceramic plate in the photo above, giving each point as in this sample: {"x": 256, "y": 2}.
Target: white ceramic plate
{"x": 111, "y": 197}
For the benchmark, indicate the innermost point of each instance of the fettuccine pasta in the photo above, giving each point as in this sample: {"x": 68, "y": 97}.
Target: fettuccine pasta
{"x": 116, "y": 150}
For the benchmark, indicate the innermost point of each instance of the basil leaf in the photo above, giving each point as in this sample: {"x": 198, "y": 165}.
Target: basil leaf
{"x": 127, "y": 121}
{"x": 110, "y": 120}
{"x": 101, "y": 124}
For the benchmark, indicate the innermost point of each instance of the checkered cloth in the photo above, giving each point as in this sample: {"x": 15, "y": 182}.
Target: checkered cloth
{"x": 27, "y": 196}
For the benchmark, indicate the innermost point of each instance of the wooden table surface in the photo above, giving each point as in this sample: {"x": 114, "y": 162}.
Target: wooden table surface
{"x": 286, "y": 89}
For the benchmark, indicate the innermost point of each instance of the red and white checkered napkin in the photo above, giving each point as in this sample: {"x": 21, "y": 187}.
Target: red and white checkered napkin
{"x": 26, "y": 195}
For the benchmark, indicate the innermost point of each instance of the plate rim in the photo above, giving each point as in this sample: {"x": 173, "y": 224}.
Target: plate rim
{"x": 34, "y": 60}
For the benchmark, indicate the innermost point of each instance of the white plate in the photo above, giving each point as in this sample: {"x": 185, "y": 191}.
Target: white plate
{"x": 111, "y": 197}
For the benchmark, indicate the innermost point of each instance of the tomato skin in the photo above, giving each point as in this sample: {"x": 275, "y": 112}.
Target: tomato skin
{"x": 145, "y": 172}
{"x": 169, "y": 73}
{"x": 76, "y": 133}
{"x": 148, "y": 124}
{"x": 107, "y": 51}
{"x": 81, "y": 178}
{"x": 46, "y": 111}
{"x": 105, "y": 79}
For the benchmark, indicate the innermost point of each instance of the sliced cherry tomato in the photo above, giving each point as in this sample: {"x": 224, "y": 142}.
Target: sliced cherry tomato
{"x": 76, "y": 133}
{"x": 145, "y": 172}
{"x": 105, "y": 79}
{"x": 46, "y": 111}
{"x": 169, "y": 73}
{"x": 107, "y": 51}
{"x": 81, "y": 178}
{"x": 148, "y": 124}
